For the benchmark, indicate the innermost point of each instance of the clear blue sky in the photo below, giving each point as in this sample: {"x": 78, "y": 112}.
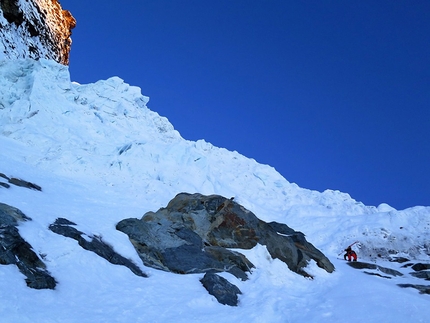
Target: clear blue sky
{"x": 333, "y": 94}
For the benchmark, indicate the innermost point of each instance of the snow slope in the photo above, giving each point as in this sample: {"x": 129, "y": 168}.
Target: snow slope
{"x": 100, "y": 155}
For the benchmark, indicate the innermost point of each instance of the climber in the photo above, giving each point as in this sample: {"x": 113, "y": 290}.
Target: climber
{"x": 350, "y": 254}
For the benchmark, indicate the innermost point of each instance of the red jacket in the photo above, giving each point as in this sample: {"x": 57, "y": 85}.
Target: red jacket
{"x": 350, "y": 254}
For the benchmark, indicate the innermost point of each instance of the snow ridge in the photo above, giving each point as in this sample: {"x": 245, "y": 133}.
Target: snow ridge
{"x": 105, "y": 131}
{"x": 101, "y": 155}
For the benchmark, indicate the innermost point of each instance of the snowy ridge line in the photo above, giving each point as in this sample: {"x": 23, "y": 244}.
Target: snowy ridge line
{"x": 104, "y": 132}
{"x": 78, "y": 129}
{"x": 98, "y": 170}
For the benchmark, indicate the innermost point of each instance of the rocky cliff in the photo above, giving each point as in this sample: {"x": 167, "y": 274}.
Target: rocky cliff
{"x": 35, "y": 29}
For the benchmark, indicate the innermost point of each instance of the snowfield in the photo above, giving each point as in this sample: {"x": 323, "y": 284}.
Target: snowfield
{"x": 100, "y": 156}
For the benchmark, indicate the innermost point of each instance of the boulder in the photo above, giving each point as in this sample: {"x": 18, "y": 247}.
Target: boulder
{"x": 225, "y": 292}
{"x": 192, "y": 234}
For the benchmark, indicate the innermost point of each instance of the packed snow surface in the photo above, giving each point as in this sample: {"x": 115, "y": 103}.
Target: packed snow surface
{"x": 100, "y": 156}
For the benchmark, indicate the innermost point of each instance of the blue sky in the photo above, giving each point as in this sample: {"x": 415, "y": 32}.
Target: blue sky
{"x": 333, "y": 94}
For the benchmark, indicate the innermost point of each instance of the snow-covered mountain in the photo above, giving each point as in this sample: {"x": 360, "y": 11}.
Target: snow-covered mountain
{"x": 100, "y": 155}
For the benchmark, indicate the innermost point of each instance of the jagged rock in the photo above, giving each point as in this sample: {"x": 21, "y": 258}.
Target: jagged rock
{"x": 302, "y": 245}
{"x": 365, "y": 265}
{"x": 419, "y": 266}
{"x": 18, "y": 182}
{"x": 400, "y": 260}
{"x": 35, "y": 29}
{"x": 95, "y": 244}
{"x": 10, "y": 215}
{"x": 190, "y": 236}
{"x": 192, "y": 233}
{"x": 423, "y": 274}
{"x": 423, "y": 289}
{"x": 225, "y": 292}
{"x": 15, "y": 250}
{"x": 376, "y": 274}
{"x": 180, "y": 250}
{"x": 22, "y": 183}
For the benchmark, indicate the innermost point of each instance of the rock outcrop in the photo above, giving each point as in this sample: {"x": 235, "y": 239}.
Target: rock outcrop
{"x": 194, "y": 232}
{"x": 17, "y": 182}
{"x": 95, "y": 244}
{"x": 420, "y": 271}
{"x": 14, "y": 250}
{"x": 225, "y": 292}
{"x": 376, "y": 268}
{"x": 35, "y": 29}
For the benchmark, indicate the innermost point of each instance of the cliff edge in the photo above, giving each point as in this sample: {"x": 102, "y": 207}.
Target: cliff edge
{"x": 35, "y": 29}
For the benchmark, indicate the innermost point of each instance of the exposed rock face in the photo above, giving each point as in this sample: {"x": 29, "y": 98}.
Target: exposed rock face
{"x": 17, "y": 182}
{"x": 420, "y": 271}
{"x": 423, "y": 289}
{"x": 365, "y": 265}
{"x": 35, "y": 29}
{"x": 95, "y": 244}
{"x": 15, "y": 250}
{"x": 192, "y": 233}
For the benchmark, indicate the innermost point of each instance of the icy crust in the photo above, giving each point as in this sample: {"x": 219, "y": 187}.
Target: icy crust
{"x": 76, "y": 127}
{"x": 104, "y": 133}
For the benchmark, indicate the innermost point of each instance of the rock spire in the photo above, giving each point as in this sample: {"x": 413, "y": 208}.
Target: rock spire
{"x": 35, "y": 29}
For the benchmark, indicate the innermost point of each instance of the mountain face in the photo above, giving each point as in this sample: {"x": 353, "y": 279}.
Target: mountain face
{"x": 81, "y": 163}
{"x": 35, "y": 29}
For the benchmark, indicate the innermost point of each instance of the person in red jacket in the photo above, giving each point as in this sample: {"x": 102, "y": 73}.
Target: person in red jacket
{"x": 350, "y": 254}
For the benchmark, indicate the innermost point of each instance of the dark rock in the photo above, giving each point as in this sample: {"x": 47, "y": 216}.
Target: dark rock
{"x": 4, "y": 176}
{"x": 180, "y": 250}
{"x": 303, "y": 246}
{"x": 93, "y": 243}
{"x": 10, "y": 215}
{"x": 15, "y": 250}
{"x": 423, "y": 274}
{"x": 22, "y": 183}
{"x": 190, "y": 236}
{"x": 365, "y": 265}
{"x": 5, "y": 185}
{"x": 423, "y": 289}
{"x": 400, "y": 260}
{"x": 12, "y": 12}
{"x": 420, "y": 266}
{"x": 407, "y": 265}
{"x": 225, "y": 292}
{"x": 376, "y": 274}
